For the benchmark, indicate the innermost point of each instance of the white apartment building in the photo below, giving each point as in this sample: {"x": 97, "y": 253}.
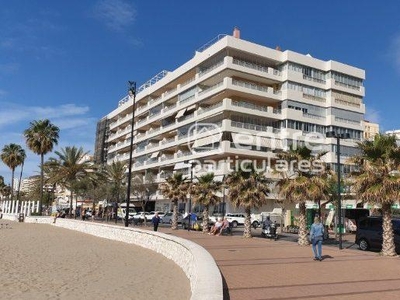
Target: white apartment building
{"x": 370, "y": 130}
{"x": 235, "y": 100}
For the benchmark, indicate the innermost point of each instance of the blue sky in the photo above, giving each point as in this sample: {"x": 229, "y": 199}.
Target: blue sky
{"x": 69, "y": 61}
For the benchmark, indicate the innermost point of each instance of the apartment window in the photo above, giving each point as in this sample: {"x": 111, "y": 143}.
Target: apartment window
{"x": 346, "y": 80}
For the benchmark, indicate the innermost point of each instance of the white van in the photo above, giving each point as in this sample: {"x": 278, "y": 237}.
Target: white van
{"x": 122, "y": 211}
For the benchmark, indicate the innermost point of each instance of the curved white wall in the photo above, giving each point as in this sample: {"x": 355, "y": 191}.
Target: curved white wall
{"x": 198, "y": 265}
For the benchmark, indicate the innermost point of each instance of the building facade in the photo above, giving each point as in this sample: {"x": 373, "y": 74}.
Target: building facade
{"x": 235, "y": 101}
{"x": 370, "y": 130}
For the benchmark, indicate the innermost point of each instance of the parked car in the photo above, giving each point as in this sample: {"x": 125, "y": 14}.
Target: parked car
{"x": 152, "y": 214}
{"x": 235, "y": 219}
{"x": 142, "y": 215}
{"x": 167, "y": 218}
{"x": 369, "y": 233}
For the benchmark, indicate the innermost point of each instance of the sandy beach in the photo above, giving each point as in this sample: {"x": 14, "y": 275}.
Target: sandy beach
{"x": 45, "y": 262}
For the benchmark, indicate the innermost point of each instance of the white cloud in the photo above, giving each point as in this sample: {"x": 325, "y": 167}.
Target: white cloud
{"x": 11, "y": 114}
{"x": 116, "y": 14}
{"x": 77, "y": 128}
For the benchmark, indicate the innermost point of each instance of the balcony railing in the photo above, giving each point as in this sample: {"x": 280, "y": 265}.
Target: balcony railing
{"x": 255, "y": 66}
{"x": 254, "y": 127}
{"x": 209, "y": 69}
{"x": 208, "y": 89}
{"x": 206, "y": 109}
{"x": 255, "y": 107}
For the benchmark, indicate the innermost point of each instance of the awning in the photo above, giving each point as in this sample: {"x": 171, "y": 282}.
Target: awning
{"x": 180, "y": 113}
{"x": 309, "y": 205}
{"x": 155, "y": 154}
{"x": 191, "y": 107}
{"x": 180, "y": 165}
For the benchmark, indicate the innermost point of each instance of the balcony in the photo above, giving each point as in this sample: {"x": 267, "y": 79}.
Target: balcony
{"x": 256, "y": 67}
{"x": 256, "y": 87}
{"x": 252, "y": 106}
{"x": 254, "y": 127}
{"x": 209, "y": 108}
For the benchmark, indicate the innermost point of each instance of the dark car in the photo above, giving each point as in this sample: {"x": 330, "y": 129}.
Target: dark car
{"x": 369, "y": 233}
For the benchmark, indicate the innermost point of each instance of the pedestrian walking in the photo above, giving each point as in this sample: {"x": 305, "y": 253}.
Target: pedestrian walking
{"x": 156, "y": 220}
{"x": 316, "y": 237}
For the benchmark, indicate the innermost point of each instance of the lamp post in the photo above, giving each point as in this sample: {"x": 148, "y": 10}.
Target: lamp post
{"x": 338, "y": 136}
{"x": 132, "y": 94}
{"x": 191, "y": 163}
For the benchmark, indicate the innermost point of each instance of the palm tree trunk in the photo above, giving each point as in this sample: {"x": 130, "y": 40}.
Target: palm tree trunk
{"x": 205, "y": 219}
{"x": 247, "y": 224}
{"x": 303, "y": 241}
{"x": 12, "y": 183}
{"x": 70, "y": 204}
{"x": 388, "y": 247}
{"x": 174, "y": 215}
{"x": 20, "y": 178}
{"x": 41, "y": 183}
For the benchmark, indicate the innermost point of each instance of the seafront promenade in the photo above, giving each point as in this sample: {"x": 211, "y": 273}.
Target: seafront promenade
{"x": 265, "y": 269}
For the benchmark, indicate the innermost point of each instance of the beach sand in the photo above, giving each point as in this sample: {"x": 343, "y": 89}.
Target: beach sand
{"x": 39, "y": 261}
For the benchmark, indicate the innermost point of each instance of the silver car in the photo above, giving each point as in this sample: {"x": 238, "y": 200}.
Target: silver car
{"x": 167, "y": 218}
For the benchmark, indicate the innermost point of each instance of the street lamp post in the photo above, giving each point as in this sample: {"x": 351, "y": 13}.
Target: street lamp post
{"x": 333, "y": 134}
{"x": 191, "y": 163}
{"x": 132, "y": 94}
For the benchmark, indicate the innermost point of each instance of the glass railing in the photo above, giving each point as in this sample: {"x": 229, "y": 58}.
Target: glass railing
{"x": 250, "y": 85}
{"x": 187, "y": 99}
{"x": 255, "y": 66}
{"x": 169, "y": 107}
{"x": 208, "y": 108}
{"x": 255, "y": 107}
{"x": 208, "y": 89}
{"x": 170, "y": 140}
{"x": 209, "y": 69}
{"x": 254, "y": 127}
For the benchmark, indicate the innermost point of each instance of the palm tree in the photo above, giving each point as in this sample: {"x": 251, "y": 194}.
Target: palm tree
{"x": 302, "y": 184}
{"x": 13, "y": 155}
{"x": 23, "y": 157}
{"x": 41, "y": 137}
{"x": 116, "y": 175}
{"x": 204, "y": 193}
{"x": 175, "y": 188}
{"x": 379, "y": 181}
{"x": 248, "y": 189}
{"x": 70, "y": 167}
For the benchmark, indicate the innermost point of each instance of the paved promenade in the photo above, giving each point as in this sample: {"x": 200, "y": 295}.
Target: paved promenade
{"x": 265, "y": 269}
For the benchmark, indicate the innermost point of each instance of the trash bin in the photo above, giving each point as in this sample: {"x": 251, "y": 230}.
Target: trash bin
{"x": 21, "y": 217}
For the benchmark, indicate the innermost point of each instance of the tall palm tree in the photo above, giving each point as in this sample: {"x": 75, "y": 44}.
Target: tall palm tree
{"x": 248, "y": 189}
{"x": 13, "y": 155}
{"x": 379, "y": 181}
{"x": 41, "y": 137}
{"x": 204, "y": 192}
{"x": 71, "y": 166}
{"x": 301, "y": 184}
{"x": 175, "y": 188}
{"x": 23, "y": 157}
{"x": 116, "y": 176}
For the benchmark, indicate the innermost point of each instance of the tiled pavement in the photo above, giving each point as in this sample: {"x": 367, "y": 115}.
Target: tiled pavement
{"x": 266, "y": 269}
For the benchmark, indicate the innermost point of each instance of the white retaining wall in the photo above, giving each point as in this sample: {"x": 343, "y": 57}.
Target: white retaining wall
{"x": 198, "y": 265}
